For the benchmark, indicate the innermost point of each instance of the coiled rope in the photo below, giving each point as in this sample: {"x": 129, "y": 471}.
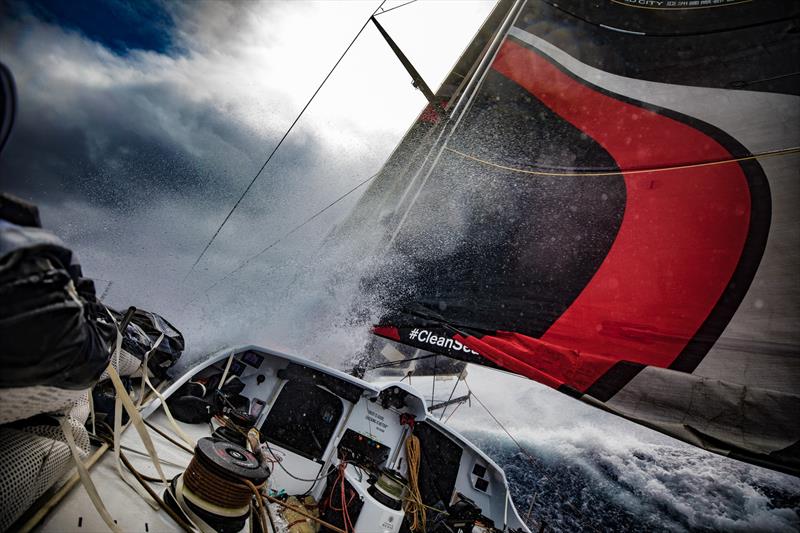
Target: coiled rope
{"x": 414, "y": 505}
{"x": 215, "y": 488}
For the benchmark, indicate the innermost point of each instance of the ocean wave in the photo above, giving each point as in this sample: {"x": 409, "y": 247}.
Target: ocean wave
{"x": 586, "y": 479}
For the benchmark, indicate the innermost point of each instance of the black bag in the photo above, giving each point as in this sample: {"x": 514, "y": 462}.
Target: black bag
{"x": 140, "y": 336}
{"x": 53, "y": 331}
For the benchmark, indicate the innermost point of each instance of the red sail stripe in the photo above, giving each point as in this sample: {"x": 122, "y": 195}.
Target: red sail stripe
{"x": 680, "y": 240}
{"x": 390, "y": 332}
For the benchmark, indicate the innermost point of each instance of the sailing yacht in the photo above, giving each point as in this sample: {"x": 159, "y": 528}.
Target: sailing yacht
{"x": 599, "y": 197}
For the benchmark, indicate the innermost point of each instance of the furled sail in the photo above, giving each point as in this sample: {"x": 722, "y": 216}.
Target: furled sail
{"x": 609, "y": 208}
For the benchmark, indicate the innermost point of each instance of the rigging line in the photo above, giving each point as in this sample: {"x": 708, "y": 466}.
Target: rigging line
{"x": 290, "y": 232}
{"x": 383, "y": 11}
{"x": 449, "y": 398}
{"x": 275, "y": 149}
{"x": 433, "y": 384}
{"x": 759, "y": 155}
{"x": 746, "y": 83}
{"x": 401, "y": 361}
{"x": 453, "y": 412}
{"x": 523, "y": 450}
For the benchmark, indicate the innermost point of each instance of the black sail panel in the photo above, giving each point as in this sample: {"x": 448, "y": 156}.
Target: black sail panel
{"x": 476, "y": 231}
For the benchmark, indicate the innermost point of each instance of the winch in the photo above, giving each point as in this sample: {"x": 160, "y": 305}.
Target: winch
{"x": 214, "y": 490}
{"x": 389, "y": 489}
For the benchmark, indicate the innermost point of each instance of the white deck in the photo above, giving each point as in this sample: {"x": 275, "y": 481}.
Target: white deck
{"x": 133, "y": 514}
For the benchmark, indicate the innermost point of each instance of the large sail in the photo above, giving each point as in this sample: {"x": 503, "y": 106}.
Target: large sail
{"x": 610, "y": 209}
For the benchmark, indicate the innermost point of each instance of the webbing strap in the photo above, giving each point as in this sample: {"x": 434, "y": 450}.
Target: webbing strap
{"x": 117, "y": 450}
{"x": 133, "y": 413}
{"x": 91, "y": 410}
{"x": 178, "y": 431}
{"x": 225, "y": 372}
{"x": 118, "y": 429}
{"x": 136, "y": 420}
{"x": 147, "y": 383}
{"x": 86, "y": 479}
{"x": 144, "y": 369}
{"x": 195, "y": 520}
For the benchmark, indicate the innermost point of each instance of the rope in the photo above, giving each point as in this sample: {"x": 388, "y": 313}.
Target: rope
{"x": 170, "y": 439}
{"x": 214, "y": 488}
{"x": 289, "y": 233}
{"x": 760, "y": 155}
{"x": 262, "y": 509}
{"x": 348, "y": 523}
{"x": 117, "y": 442}
{"x": 65, "y": 488}
{"x": 91, "y": 410}
{"x": 433, "y": 381}
{"x": 280, "y": 142}
{"x": 523, "y": 450}
{"x": 280, "y": 465}
{"x": 178, "y": 431}
{"x": 384, "y": 11}
{"x": 123, "y": 399}
{"x": 302, "y": 513}
{"x": 225, "y": 372}
{"x": 86, "y": 479}
{"x": 449, "y": 398}
{"x": 144, "y": 369}
{"x": 142, "y": 479}
{"x": 414, "y": 505}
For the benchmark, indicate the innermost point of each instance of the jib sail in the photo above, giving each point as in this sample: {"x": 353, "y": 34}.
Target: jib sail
{"x": 610, "y": 209}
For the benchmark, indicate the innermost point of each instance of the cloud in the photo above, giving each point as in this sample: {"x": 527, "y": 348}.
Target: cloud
{"x": 135, "y": 146}
{"x": 119, "y": 25}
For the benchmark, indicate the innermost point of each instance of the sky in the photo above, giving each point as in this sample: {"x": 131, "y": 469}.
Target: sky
{"x": 140, "y": 124}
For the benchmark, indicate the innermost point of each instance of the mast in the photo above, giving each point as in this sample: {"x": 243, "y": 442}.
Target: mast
{"x": 394, "y": 178}
{"x": 419, "y": 83}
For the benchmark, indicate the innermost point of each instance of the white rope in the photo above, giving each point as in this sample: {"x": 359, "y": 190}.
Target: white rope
{"x": 86, "y": 479}
{"x": 136, "y": 419}
{"x": 123, "y": 474}
{"x": 133, "y": 413}
{"x": 147, "y": 383}
{"x": 225, "y": 372}
{"x": 91, "y": 410}
{"x": 145, "y": 370}
{"x": 178, "y": 431}
{"x": 195, "y": 520}
{"x": 118, "y": 429}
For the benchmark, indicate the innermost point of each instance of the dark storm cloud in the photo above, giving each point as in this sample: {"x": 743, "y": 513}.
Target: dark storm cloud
{"x": 135, "y": 134}
{"x": 121, "y": 147}
{"x": 120, "y": 25}
{"x": 135, "y": 150}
